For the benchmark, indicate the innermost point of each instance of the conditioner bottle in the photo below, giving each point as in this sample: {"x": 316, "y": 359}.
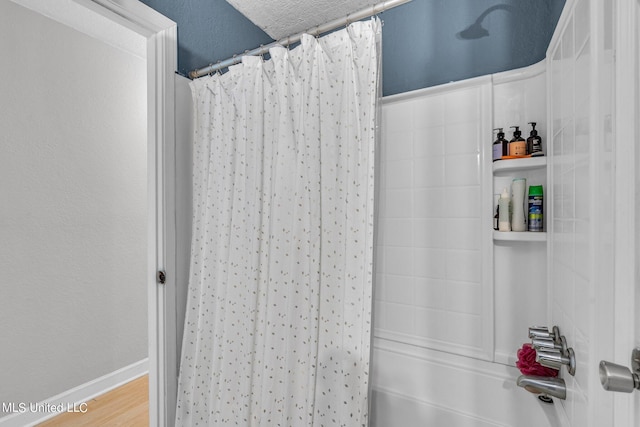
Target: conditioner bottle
{"x": 503, "y": 211}
{"x": 518, "y": 221}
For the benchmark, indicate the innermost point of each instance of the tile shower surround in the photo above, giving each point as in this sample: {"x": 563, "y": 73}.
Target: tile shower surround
{"x": 444, "y": 312}
{"x": 418, "y": 248}
{"x": 436, "y": 286}
{"x": 428, "y": 283}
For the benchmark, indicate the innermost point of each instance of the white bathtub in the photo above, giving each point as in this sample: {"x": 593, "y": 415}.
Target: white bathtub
{"x": 417, "y": 387}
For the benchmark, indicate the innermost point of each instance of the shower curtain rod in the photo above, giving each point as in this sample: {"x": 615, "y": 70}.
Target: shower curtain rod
{"x": 315, "y": 31}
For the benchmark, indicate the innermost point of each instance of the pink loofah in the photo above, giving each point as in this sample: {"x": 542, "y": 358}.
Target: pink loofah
{"x": 528, "y": 365}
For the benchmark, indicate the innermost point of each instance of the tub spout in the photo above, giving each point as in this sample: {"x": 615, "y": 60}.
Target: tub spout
{"x": 547, "y": 385}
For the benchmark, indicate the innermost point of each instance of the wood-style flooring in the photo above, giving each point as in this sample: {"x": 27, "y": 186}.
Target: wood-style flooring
{"x": 127, "y": 405}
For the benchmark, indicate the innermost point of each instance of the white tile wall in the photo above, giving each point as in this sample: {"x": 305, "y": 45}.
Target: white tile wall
{"x": 437, "y": 302}
{"x": 431, "y": 288}
{"x": 580, "y": 252}
{"x": 433, "y": 192}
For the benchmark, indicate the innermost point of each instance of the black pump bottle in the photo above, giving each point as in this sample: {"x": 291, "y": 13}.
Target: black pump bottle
{"x": 534, "y": 142}
{"x": 500, "y": 146}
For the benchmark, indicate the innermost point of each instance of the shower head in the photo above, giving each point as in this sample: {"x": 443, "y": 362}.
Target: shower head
{"x": 476, "y": 30}
{"x": 473, "y": 31}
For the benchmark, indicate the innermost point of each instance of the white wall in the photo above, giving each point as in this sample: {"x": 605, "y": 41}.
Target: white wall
{"x": 73, "y": 208}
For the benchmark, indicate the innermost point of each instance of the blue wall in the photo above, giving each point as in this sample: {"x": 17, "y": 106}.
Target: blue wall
{"x": 423, "y": 41}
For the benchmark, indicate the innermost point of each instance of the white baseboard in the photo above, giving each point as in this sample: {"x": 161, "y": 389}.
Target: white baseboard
{"x": 72, "y": 399}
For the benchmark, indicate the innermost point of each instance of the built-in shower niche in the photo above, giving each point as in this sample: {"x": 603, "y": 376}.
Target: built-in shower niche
{"x": 520, "y": 262}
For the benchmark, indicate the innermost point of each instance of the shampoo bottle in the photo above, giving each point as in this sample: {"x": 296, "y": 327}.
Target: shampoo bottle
{"x": 534, "y": 142}
{"x": 518, "y": 221}
{"x": 500, "y": 146}
{"x": 517, "y": 146}
{"x": 503, "y": 211}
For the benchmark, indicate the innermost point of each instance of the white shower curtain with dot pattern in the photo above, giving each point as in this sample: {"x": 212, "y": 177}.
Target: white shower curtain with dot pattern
{"x": 278, "y": 322}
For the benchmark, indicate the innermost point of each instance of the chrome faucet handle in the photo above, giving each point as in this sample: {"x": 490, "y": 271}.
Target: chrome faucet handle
{"x": 544, "y": 332}
{"x": 547, "y": 344}
{"x": 620, "y": 378}
{"x": 555, "y": 359}
{"x": 550, "y": 359}
{"x": 539, "y": 332}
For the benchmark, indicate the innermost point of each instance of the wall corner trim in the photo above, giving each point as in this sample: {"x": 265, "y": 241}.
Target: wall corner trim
{"x": 446, "y": 87}
{"x": 496, "y": 78}
{"x": 520, "y": 73}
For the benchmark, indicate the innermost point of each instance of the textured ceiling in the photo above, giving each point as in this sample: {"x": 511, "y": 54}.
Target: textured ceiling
{"x": 282, "y": 18}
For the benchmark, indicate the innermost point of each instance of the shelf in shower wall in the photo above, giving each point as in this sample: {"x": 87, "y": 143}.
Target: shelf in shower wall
{"x": 520, "y": 236}
{"x": 535, "y": 168}
{"x": 514, "y": 165}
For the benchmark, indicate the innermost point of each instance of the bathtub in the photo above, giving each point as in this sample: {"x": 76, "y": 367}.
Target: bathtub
{"x": 418, "y": 387}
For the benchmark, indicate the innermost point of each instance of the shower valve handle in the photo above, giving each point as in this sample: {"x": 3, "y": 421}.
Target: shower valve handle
{"x": 544, "y": 333}
{"x": 548, "y": 344}
{"x": 555, "y": 359}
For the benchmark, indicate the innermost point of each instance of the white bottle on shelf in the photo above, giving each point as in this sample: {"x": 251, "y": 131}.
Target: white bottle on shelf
{"x": 503, "y": 211}
{"x": 518, "y": 219}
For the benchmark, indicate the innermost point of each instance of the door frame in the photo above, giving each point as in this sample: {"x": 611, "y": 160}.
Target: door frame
{"x": 627, "y": 126}
{"x": 161, "y": 34}
{"x": 161, "y": 56}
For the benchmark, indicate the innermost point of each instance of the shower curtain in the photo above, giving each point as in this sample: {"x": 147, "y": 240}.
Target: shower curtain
{"x": 278, "y": 321}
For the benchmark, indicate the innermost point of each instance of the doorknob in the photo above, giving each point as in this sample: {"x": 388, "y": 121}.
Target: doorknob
{"x": 619, "y": 378}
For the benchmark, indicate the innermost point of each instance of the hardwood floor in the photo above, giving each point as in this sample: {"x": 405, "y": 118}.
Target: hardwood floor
{"x": 127, "y": 405}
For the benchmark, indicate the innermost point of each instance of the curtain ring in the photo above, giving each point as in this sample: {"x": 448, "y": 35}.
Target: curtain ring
{"x": 262, "y": 52}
